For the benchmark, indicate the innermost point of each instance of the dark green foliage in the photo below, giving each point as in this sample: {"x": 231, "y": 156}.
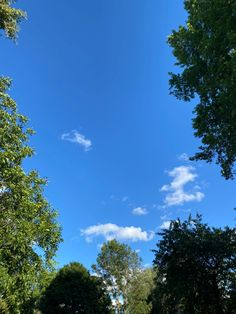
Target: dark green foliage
{"x": 196, "y": 269}
{"x": 74, "y": 290}
{"x": 205, "y": 50}
{"x": 116, "y": 265}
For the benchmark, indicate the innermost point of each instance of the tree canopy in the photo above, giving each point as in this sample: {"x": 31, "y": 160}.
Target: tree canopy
{"x": 116, "y": 265}
{"x": 206, "y": 55}
{"x": 74, "y": 290}
{"x": 196, "y": 269}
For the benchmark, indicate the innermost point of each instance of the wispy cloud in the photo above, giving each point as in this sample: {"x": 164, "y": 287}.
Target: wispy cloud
{"x": 183, "y": 157}
{"x": 166, "y": 216}
{"x": 124, "y": 198}
{"x": 139, "y": 211}
{"x": 165, "y": 225}
{"x": 111, "y": 231}
{"x": 77, "y": 138}
{"x": 176, "y": 193}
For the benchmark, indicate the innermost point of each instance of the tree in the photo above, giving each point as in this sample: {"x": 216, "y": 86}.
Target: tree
{"x": 10, "y": 18}
{"x": 74, "y": 290}
{"x": 196, "y": 269}
{"x": 29, "y": 233}
{"x": 27, "y": 221}
{"x": 205, "y": 51}
{"x": 116, "y": 264}
{"x": 141, "y": 286}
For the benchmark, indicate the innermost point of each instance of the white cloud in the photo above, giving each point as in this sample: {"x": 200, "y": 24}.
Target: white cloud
{"x": 176, "y": 194}
{"x": 78, "y": 138}
{"x": 165, "y": 225}
{"x": 139, "y": 211}
{"x": 183, "y": 157}
{"x": 111, "y": 231}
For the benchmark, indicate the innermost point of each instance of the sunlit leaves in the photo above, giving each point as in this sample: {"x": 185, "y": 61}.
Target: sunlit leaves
{"x": 28, "y": 223}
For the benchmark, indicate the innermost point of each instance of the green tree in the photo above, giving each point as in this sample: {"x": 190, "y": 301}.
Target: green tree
{"x": 196, "y": 269}
{"x": 29, "y": 233}
{"x": 74, "y": 290}
{"x": 10, "y": 18}
{"x": 116, "y": 265}
{"x": 141, "y": 286}
{"x": 206, "y": 54}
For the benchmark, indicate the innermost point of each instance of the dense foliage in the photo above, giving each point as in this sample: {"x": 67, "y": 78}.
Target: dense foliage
{"x": 74, "y": 290}
{"x": 116, "y": 265}
{"x": 205, "y": 50}
{"x": 196, "y": 269}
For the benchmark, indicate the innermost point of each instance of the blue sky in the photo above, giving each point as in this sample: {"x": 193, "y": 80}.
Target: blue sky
{"x": 92, "y": 76}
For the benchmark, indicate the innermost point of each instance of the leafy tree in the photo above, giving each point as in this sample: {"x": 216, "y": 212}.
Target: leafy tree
{"x": 29, "y": 234}
{"x": 116, "y": 264}
{"x": 196, "y": 269}
{"x": 74, "y": 290}
{"x": 206, "y": 54}
{"x": 141, "y": 286}
{"x": 10, "y": 18}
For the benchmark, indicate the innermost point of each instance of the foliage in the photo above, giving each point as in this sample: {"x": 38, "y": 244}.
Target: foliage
{"x": 196, "y": 269}
{"x": 29, "y": 234}
{"x": 10, "y": 18}
{"x": 205, "y": 51}
{"x": 74, "y": 290}
{"x": 139, "y": 292}
{"x": 3, "y": 307}
{"x": 116, "y": 264}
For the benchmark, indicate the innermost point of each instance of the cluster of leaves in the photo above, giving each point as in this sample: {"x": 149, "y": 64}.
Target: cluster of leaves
{"x": 196, "y": 269}
{"x": 141, "y": 287}
{"x": 10, "y": 18}
{"x": 205, "y": 51}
